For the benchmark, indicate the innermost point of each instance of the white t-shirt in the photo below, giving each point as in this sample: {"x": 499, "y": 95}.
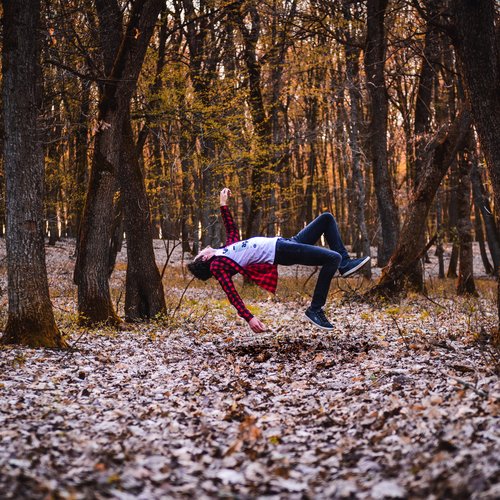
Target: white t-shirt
{"x": 258, "y": 250}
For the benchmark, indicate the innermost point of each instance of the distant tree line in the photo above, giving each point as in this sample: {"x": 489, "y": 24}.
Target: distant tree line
{"x": 127, "y": 117}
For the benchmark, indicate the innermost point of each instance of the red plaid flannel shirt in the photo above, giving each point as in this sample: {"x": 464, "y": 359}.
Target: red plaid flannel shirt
{"x": 224, "y": 268}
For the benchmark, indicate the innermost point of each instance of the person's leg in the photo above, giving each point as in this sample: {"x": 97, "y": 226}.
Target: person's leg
{"x": 290, "y": 252}
{"x": 327, "y": 225}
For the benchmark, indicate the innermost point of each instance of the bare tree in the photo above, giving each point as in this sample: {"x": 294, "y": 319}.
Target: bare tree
{"x": 375, "y": 54}
{"x": 91, "y": 270}
{"x": 30, "y": 319}
{"x": 441, "y": 153}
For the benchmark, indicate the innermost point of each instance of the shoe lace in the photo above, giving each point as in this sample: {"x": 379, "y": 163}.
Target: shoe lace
{"x": 322, "y": 316}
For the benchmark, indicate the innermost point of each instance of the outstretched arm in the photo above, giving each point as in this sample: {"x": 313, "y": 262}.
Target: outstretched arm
{"x": 224, "y": 276}
{"x": 222, "y": 272}
{"x": 232, "y": 235}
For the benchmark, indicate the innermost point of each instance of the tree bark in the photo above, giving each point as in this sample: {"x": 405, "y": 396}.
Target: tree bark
{"x": 30, "y": 319}
{"x": 91, "y": 270}
{"x": 375, "y": 53}
{"x": 477, "y": 47}
{"x": 453, "y": 263}
{"x": 423, "y": 118}
{"x": 81, "y": 159}
{"x": 144, "y": 297}
{"x": 465, "y": 284}
{"x": 453, "y": 221}
{"x": 353, "y": 81}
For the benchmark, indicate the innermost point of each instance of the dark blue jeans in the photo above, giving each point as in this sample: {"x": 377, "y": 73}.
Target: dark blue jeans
{"x": 301, "y": 249}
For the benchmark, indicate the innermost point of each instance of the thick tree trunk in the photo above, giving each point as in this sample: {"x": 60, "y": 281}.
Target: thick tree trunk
{"x": 395, "y": 276}
{"x": 144, "y": 296}
{"x": 92, "y": 264}
{"x": 91, "y": 270}
{"x": 477, "y": 47}
{"x": 375, "y": 53}
{"x": 30, "y": 319}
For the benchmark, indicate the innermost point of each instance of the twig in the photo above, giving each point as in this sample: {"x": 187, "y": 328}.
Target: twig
{"x": 401, "y": 333}
{"x": 71, "y": 348}
{"x": 433, "y": 301}
{"x": 118, "y": 300}
{"x": 182, "y": 296}
{"x": 169, "y": 254}
{"x": 470, "y": 386}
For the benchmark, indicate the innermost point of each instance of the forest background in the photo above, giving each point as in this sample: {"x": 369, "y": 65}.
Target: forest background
{"x": 122, "y": 121}
{"x": 364, "y": 109}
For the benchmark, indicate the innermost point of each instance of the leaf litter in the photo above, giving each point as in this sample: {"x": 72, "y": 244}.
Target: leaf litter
{"x": 398, "y": 401}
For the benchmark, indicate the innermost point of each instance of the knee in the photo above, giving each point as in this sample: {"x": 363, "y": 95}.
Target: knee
{"x": 328, "y": 217}
{"x": 334, "y": 259}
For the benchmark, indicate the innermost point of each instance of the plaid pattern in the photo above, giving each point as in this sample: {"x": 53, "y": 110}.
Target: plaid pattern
{"x": 223, "y": 268}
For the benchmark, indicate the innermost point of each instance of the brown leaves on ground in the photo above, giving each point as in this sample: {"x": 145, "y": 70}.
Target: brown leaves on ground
{"x": 401, "y": 400}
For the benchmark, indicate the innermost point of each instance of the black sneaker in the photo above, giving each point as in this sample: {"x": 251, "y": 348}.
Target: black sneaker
{"x": 319, "y": 319}
{"x": 352, "y": 266}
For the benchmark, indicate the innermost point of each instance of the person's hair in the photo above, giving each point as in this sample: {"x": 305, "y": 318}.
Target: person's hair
{"x": 200, "y": 269}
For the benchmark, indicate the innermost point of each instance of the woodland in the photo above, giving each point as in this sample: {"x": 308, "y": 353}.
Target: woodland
{"x": 122, "y": 376}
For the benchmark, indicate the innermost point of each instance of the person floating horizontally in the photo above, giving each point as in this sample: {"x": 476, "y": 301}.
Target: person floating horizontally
{"x": 258, "y": 258}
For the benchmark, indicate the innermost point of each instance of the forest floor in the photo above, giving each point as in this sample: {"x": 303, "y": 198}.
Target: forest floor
{"x": 401, "y": 400}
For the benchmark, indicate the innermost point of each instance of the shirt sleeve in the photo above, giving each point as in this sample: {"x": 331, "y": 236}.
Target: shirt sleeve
{"x": 223, "y": 274}
{"x": 232, "y": 235}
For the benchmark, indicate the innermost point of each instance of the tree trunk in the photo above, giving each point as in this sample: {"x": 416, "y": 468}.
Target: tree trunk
{"x": 91, "y": 269}
{"x": 352, "y": 77}
{"x": 442, "y": 151}
{"x": 453, "y": 221}
{"x": 262, "y": 126}
{"x": 465, "y": 284}
{"x": 144, "y": 296}
{"x": 477, "y": 47}
{"x": 81, "y": 160}
{"x": 375, "y": 53}
{"x": 30, "y": 319}
{"x": 422, "y": 125}
{"x": 478, "y": 229}
{"x": 482, "y": 202}
{"x": 439, "y": 239}
{"x": 453, "y": 263}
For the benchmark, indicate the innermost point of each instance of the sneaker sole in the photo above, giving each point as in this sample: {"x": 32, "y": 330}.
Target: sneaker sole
{"x": 354, "y": 269}
{"x": 319, "y": 326}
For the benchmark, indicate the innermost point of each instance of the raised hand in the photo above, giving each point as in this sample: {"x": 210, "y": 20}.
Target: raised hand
{"x": 224, "y": 195}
